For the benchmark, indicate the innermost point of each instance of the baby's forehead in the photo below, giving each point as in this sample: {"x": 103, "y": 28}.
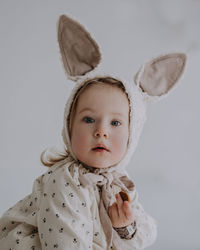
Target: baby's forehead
{"x": 99, "y": 97}
{"x": 103, "y": 90}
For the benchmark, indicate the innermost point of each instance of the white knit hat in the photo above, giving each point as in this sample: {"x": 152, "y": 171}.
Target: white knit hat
{"x": 81, "y": 58}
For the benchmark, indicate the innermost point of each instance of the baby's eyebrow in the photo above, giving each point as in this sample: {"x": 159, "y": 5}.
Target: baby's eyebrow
{"x": 86, "y": 109}
{"x": 92, "y": 110}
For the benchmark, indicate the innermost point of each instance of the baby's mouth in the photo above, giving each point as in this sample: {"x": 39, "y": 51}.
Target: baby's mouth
{"x": 100, "y": 149}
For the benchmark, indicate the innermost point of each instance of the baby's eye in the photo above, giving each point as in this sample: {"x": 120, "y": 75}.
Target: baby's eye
{"x": 88, "y": 119}
{"x": 116, "y": 123}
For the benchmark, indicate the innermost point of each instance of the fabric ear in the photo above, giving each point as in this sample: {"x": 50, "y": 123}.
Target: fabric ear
{"x": 80, "y": 53}
{"x": 159, "y": 75}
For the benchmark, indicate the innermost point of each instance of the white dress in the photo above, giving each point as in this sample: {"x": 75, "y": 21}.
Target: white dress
{"x": 61, "y": 214}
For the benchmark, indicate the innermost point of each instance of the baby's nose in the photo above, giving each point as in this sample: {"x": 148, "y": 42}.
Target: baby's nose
{"x": 101, "y": 132}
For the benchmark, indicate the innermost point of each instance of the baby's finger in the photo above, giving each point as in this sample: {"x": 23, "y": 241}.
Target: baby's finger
{"x": 127, "y": 210}
{"x": 113, "y": 212}
{"x": 119, "y": 205}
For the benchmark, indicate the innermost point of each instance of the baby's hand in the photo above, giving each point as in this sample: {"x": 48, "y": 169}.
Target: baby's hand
{"x": 120, "y": 212}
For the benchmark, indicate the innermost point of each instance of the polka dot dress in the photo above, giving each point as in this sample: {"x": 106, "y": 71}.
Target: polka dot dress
{"x": 61, "y": 214}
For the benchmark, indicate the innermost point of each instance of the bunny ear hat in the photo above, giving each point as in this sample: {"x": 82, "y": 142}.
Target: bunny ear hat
{"x": 81, "y": 59}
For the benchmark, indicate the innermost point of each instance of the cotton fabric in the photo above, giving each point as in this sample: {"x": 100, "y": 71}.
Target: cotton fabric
{"x": 61, "y": 213}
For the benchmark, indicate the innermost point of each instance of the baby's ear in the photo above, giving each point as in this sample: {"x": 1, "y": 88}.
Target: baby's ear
{"x": 160, "y": 75}
{"x": 80, "y": 53}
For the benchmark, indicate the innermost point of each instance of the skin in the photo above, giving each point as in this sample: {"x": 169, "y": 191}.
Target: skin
{"x": 102, "y": 117}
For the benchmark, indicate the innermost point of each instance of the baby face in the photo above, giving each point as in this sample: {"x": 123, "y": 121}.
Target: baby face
{"x": 100, "y": 127}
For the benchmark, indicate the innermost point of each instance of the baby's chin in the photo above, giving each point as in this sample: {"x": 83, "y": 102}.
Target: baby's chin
{"x": 100, "y": 165}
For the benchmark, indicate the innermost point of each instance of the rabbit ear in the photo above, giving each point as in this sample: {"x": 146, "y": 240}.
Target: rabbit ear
{"x": 159, "y": 75}
{"x": 80, "y": 53}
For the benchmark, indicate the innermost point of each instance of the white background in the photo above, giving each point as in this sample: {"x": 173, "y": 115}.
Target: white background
{"x": 34, "y": 89}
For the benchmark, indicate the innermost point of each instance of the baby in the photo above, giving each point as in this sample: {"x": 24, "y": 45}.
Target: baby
{"x": 100, "y": 132}
{"x": 86, "y": 199}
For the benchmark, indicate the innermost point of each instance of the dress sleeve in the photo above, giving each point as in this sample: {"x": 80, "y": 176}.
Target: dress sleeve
{"x": 146, "y": 226}
{"x": 64, "y": 218}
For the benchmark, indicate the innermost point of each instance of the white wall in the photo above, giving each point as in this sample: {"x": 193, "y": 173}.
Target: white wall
{"x": 34, "y": 89}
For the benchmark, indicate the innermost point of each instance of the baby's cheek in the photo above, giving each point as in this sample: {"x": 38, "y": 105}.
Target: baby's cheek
{"x": 79, "y": 143}
{"x": 120, "y": 143}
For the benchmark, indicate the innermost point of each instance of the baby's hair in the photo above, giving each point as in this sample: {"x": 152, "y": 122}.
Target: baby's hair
{"x": 50, "y": 160}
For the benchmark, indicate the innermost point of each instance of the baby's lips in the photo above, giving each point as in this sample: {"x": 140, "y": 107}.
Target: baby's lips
{"x": 125, "y": 196}
{"x": 100, "y": 146}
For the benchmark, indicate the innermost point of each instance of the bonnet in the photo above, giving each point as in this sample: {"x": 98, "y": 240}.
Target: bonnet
{"x": 81, "y": 58}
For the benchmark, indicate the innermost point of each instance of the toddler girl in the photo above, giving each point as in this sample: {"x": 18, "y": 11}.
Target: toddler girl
{"x": 86, "y": 199}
